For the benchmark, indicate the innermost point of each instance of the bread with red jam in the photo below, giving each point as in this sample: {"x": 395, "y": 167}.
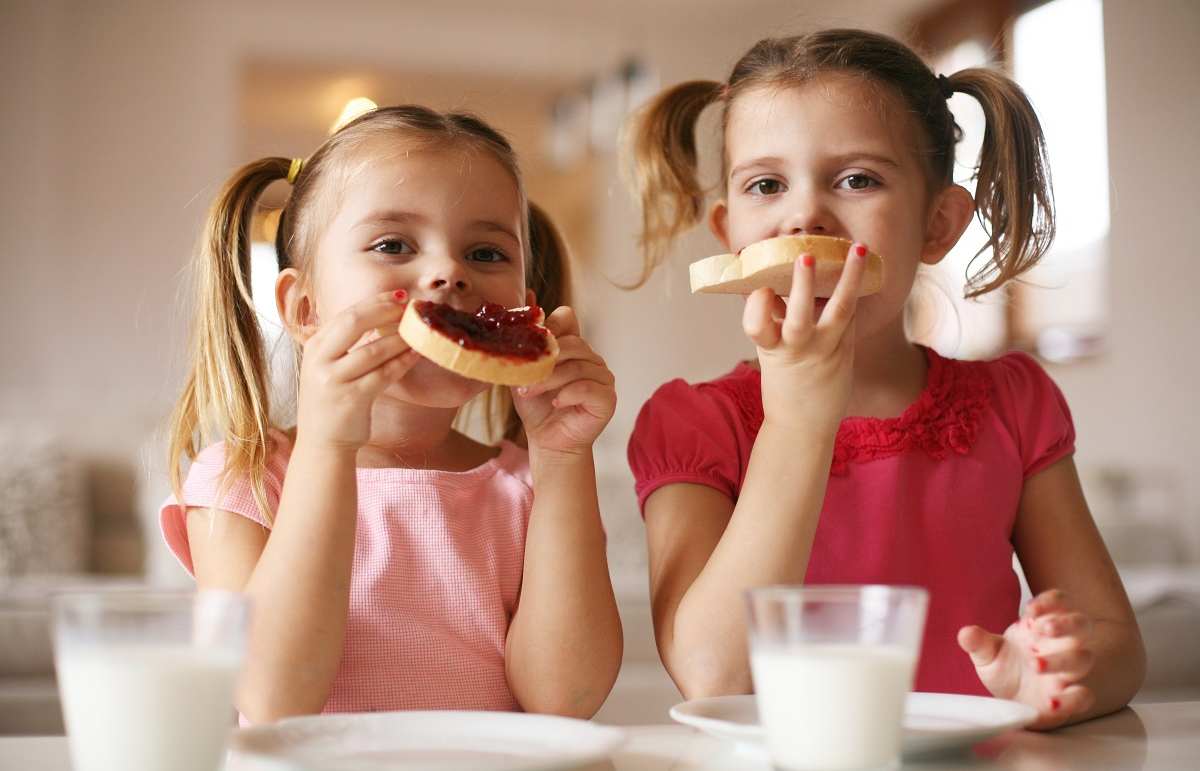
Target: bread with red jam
{"x": 495, "y": 344}
{"x": 769, "y": 263}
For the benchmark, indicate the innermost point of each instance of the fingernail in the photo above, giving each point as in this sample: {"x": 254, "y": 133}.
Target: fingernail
{"x": 1055, "y": 704}
{"x": 808, "y": 260}
{"x": 1041, "y": 664}
{"x": 522, "y": 390}
{"x": 860, "y": 250}
{"x": 400, "y": 295}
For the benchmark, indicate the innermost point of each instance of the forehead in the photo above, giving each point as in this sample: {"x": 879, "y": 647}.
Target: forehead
{"x": 833, "y": 113}
{"x": 456, "y": 179}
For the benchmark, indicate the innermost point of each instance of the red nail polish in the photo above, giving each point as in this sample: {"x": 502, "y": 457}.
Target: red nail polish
{"x": 1055, "y": 704}
{"x": 400, "y": 295}
{"x": 808, "y": 260}
{"x": 1041, "y": 664}
{"x": 860, "y": 250}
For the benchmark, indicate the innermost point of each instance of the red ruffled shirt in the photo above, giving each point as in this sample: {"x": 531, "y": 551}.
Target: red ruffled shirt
{"x": 924, "y": 499}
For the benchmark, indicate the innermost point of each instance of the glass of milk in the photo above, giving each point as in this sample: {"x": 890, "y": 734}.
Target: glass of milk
{"x": 147, "y": 678}
{"x": 832, "y": 666}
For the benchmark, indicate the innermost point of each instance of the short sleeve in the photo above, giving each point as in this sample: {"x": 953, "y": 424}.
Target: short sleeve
{"x": 202, "y": 489}
{"x": 685, "y": 433}
{"x": 1035, "y": 410}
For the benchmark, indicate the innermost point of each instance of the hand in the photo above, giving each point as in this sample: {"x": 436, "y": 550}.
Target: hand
{"x": 1040, "y": 660}
{"x": 567, "y": 411}
{"x": 346, "y": 365}
{"x": 806, "y": 364}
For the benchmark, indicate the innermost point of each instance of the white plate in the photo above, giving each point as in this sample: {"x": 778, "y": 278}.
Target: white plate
{"x": 933, "y": 722}
{"x": 446, "y": 740}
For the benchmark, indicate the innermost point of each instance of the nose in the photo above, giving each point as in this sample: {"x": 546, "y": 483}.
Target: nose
{"x": 445, "y": 275}
{"x": 808, "y": 216}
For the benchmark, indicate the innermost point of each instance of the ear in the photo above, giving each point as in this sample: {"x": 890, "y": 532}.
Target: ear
{"x": 297, "y": 309}
{"x": 718, "y": 222}
{"x": 949, "y": 215}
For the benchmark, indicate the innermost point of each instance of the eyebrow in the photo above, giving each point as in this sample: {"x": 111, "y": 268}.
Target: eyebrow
{"x": 494, "y": 227}
{"x": 383, "y": 216}
{"x": 839, "y": 160}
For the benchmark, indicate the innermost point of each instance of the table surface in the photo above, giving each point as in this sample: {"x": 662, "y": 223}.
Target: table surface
{"x": 1153, "y": 737}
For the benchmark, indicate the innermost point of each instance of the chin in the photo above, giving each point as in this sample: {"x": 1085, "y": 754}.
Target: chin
{"x": 429, "y": 385}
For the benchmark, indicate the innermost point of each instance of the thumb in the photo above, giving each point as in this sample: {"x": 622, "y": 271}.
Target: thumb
{"x": 981, "y": 645}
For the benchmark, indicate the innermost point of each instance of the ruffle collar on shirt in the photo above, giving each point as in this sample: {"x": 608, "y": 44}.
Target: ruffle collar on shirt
{"x": 944, "y": 419}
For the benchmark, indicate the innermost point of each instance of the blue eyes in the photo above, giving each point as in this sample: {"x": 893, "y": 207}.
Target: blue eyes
{"x": 487, "y": 255}
{"x": 391, "y": 246}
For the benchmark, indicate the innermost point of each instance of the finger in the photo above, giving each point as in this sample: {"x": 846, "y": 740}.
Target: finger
{"x": 365, "y": 358}
{"x": 1072, "y": 700}
{"x": 1073, "y": 624}
{"x": 1071, "y": 661}
{"x": 980, "y": 644}
{"x": 562, "y": 322}
{"x": 844, "y": 301}
{"x": 390, "y": 372}
{"x": 594, "y": 398}
{"x": 575, "y": 347}
{"x": 1049, "y": 601}
{"x": 347, "y": 327}
{"x": 569, "y": 372}
{"x": 798, "y": 319}
{"x": 758, "y": 320}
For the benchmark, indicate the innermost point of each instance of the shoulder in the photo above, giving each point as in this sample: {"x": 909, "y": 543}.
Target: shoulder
{"x": 735, "y": 398}
{"x": 512, "y": 467}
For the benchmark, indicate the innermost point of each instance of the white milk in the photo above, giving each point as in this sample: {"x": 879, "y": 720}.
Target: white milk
{"x": 832, "y": 706}
{"x": 146, "y": 707}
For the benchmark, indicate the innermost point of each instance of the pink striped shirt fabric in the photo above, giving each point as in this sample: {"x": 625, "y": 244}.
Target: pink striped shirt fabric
{"x": 435, "y": 581}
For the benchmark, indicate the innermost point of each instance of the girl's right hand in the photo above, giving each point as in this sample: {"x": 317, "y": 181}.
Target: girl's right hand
{"x": 342, "y": 373}
{"x": 806, "y": 363}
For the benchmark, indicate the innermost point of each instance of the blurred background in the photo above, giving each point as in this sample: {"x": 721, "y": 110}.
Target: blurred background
{"x": 121, "y": 119}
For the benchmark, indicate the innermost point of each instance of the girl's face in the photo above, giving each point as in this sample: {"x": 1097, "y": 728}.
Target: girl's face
{"x": 444, "y": 224}
{"x": 835, "y": 156}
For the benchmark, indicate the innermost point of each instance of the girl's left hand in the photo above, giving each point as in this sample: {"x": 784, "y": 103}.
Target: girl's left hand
{"x": 567, "y": 411}
{"x": 1040, "y": 660}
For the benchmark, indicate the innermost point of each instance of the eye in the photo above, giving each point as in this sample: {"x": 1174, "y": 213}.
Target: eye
{"x": 391, "y": 246}
{"x": 765, "y": 186}
{"x": 487, "y": 254}
{"x": 857, "y": 182}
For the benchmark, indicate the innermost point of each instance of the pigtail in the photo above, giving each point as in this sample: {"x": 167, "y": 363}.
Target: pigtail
{"x": 665, "y": 178}
{"x": 225, "y": 395}
{"x": 1013, "y": 195}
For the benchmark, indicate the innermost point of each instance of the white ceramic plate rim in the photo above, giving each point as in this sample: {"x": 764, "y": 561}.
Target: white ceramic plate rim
{"x": 976, "y": 718}
{"x": 553, "y": 741}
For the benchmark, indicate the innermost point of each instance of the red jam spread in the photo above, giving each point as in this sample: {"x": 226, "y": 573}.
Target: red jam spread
{"x": 492, "y": 329}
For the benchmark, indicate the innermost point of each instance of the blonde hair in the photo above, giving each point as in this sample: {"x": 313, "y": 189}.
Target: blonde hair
{"x": 226, "y": 393}
{"x": 1013, "y": 195}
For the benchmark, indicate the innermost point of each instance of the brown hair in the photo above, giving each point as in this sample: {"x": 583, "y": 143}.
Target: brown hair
{"x": 226, "y": 394}
{"x": 1013, "y": 196}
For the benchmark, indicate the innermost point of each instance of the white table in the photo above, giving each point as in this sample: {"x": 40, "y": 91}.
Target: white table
{"x": 1152, "y": 737}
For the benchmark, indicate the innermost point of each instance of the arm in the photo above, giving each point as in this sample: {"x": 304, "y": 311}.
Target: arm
{"x": 298, "y": 577}
{"x": 1077, "y": 653}
{"x": 299, "y": 603}
{"x": 564, "y": 645}
{"x": 704, "y": 550}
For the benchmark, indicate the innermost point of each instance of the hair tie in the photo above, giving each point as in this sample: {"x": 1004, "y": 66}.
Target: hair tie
{"x": 944, "y": 86}
{"x": 294, "y": 170}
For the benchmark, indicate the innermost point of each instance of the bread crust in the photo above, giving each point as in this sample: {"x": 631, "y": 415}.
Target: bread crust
{"x": 769, "y": 263}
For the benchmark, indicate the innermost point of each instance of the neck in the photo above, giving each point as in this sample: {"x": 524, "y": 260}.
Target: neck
{"x": 411, "y": 436}
{"x": 889, "y": 373}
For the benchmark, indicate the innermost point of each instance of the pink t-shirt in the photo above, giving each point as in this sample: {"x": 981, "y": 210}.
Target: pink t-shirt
{"x": 925, "y": 499}
{"x": 435, "y": 581}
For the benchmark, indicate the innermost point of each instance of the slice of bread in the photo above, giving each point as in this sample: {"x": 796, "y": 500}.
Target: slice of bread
{"x": 469, "y": 358}
{"x": 769, "y": 263}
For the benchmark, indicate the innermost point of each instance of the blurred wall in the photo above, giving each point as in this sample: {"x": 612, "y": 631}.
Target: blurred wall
{"x": 120, "y": 120}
